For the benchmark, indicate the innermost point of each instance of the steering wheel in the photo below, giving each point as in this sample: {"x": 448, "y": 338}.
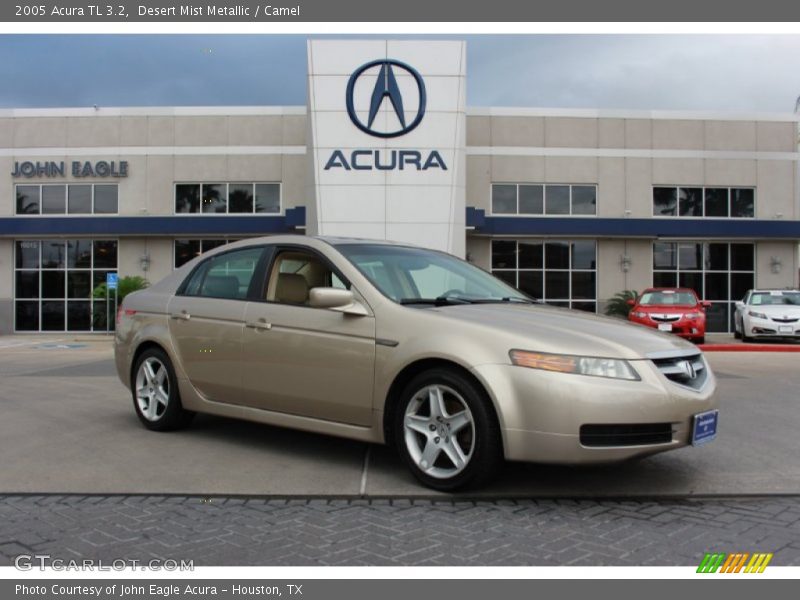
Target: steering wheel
{"x": 453, "y": 292}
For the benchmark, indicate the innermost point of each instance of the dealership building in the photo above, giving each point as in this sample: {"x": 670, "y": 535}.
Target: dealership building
{"x": 571, "y": 206}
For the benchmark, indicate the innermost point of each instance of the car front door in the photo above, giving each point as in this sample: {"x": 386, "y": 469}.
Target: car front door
{"x": 300, "y": 360}
{"x": 207, "y": 320}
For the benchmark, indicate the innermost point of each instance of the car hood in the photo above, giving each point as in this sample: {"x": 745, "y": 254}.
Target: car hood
{"x": 667, "y": 308}
{"x": 776, "y": 310}
{"x": 557, "y": 330}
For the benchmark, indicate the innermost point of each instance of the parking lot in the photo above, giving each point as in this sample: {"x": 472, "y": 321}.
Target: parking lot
{"x": 68, "y": 427}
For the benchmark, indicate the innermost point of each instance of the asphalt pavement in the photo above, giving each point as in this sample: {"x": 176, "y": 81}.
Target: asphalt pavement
{"x": 68, "y": 427}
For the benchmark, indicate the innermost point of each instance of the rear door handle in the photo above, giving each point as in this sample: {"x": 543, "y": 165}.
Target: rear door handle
{"x": 260, "y": 324}
{"x": 181, "y": 316}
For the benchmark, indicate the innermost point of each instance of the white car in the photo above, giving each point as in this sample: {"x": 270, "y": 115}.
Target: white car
{"x": 768, "y": 313}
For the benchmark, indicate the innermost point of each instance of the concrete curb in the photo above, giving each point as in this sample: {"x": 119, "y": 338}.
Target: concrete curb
{"x": 749, "y": 348}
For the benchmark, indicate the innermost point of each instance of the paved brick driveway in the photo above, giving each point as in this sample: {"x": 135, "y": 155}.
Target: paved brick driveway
{"x": 236, "y": 531}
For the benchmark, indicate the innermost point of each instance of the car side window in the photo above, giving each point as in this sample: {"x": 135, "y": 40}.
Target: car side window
{"x": 225, "y": 276}
{"x": 295, "y": 272}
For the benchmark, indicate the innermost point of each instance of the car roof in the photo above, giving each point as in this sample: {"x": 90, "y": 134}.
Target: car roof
{"x": 328, "y": 239}
{"x": 669, "y": 289}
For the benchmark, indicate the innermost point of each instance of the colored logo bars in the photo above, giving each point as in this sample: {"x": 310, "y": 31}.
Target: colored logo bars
{"x": 734, "y": 563}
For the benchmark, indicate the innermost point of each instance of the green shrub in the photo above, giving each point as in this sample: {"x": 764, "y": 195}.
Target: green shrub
{"x": 125, "y": 285}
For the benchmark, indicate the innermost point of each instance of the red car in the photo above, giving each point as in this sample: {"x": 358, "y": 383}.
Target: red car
{"x": 674, "y": 310}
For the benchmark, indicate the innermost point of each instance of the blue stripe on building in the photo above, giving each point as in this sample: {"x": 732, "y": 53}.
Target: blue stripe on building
{"x": 627, "y": 228}
{"x": 172, "y": 226}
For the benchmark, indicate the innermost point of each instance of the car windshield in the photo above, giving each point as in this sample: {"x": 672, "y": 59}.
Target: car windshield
{"x": 668, "y": 298}
{"x": 775, "y": 298}
{"x": 418, "y": 276}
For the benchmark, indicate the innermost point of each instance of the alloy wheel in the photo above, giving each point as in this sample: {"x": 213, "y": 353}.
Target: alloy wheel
{"x": 152, "y": 388}
{"x": 439, "y": 431}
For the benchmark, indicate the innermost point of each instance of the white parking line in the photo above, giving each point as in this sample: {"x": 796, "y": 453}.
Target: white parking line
{"x": 16, "y": 344}
{"x": 363, "y": 489}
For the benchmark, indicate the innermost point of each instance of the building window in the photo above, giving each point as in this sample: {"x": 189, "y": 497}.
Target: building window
{"x": 543, "y": 199}
{"x": 73, "y": 199}
{"x": 718, "y": 202}
{"x": 719, "y": 272}
{"x": 187, "y": 249}
{"x": 560, "y": 272}
{"x": 228, "y": 198}
{"x": 54, "y": 280}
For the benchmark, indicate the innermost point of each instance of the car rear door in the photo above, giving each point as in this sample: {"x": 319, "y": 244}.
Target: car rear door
{"x": 307, "y": 361}
{"x": 207, "y": 320}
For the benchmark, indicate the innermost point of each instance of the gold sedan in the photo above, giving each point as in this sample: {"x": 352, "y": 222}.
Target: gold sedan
{"x": 389, "y": 343}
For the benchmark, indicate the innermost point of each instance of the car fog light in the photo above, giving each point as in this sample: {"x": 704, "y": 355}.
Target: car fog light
{"x": 612, "y": 368}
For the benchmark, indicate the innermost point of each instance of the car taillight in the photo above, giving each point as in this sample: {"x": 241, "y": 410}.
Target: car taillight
{"x": 126, "y": 311}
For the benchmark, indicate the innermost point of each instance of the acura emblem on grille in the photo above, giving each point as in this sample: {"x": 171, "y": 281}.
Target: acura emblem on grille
{"x": 688, "y": 368}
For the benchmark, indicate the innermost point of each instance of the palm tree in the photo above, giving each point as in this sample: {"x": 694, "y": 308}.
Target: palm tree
{"x": 618, "y": 305}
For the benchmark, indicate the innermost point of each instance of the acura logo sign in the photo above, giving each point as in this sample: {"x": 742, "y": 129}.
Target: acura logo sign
{"x": 386, "y": 91}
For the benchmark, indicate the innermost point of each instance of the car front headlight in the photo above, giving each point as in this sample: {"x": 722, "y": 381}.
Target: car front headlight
{"x": 694, "y": 315}
{"x": 612, "y": 368}
{"x": 639, "y": 314}
{"x": 756, "y": 314}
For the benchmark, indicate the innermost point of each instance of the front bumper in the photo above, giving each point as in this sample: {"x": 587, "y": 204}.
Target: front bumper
{"x": 685, "y": 328}
{"x": 541, "y": 413}
{"x": 756, "y": 327}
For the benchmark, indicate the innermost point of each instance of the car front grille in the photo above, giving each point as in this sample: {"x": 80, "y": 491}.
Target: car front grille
{"x": 784, "y": 320}
{"x": 688, "y": 370}
{"x": 640, "y": 434}
{"x": 666, "y": 318}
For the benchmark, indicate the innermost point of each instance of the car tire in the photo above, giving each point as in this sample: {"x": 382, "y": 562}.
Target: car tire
{"x": 736, "y": 334}
{"x": 154, "y": 388}
{"x": 442, "y": 414}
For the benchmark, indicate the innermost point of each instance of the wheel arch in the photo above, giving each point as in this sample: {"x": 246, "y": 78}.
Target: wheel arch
{"x": 141, "y": 349}
{"x": 413, "y": 369}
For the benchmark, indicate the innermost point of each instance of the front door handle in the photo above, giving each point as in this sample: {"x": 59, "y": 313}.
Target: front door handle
{"x": 181, "y": 316}
{"x": 261, "y": 324}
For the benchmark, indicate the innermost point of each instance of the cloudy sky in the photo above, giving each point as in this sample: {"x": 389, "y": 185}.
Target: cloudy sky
{"x": 700, "y": 72}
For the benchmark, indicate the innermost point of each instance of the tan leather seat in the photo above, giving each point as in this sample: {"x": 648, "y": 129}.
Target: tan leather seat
{"x": 291, "y": 288}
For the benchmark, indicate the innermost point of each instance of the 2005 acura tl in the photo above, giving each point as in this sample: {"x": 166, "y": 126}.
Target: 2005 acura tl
{"x": 385, "y": 342}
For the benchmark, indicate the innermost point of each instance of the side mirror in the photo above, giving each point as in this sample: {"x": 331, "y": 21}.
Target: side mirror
{"x": 335, "y": 299}
{"x": 740, "y": 304}
{"x": 630, "y": 302}
{"x": 705, "y": 304}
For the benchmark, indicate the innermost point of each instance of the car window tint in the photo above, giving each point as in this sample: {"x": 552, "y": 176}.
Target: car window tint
{"x": 228, "y": 275}
{"x": 434, "y": 281}
{"x": 775, "y": 299}
{"x": 668, "y": 299}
